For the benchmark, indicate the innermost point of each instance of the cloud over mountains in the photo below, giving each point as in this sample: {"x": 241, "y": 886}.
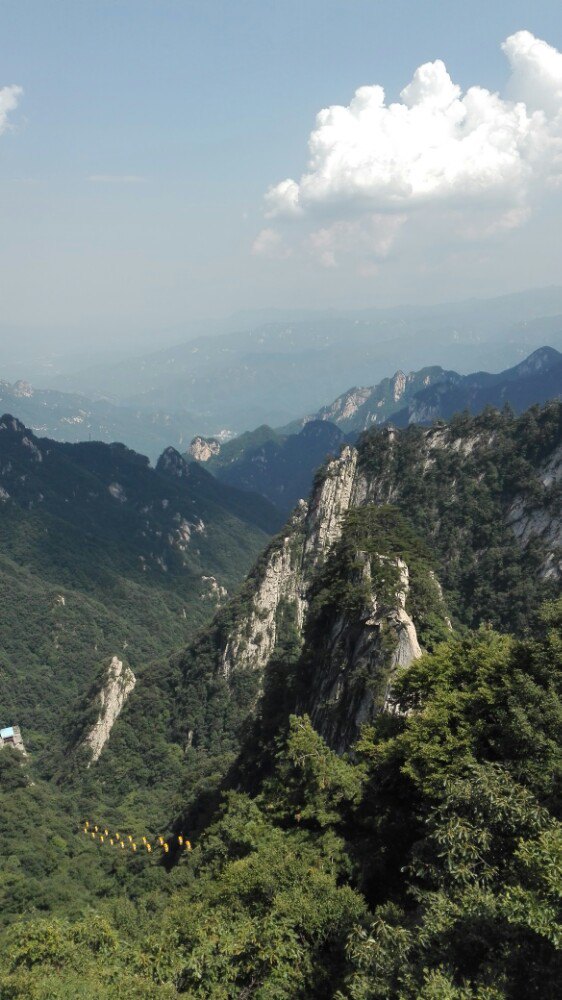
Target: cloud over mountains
{"x": 473, "y": 162}
{"x": 9, "y": 97}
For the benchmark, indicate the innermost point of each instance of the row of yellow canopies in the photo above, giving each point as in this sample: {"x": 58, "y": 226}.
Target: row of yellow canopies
{"x": 126, "y": 841}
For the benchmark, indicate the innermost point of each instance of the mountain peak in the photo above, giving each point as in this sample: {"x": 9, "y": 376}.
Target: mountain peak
{"x": 543, "y": 359}
{"x": 10, "y": 423}
{"x": 172, "y": 463}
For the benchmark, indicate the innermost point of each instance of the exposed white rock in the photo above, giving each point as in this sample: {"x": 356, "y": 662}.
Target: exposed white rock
{"x": 118, "y": 683}
{"x": 357, "y": 663}
{"x": 252, "y": 641}
{"x": 117, "y": 492}
{"x": 346, "y": 405}
{"x": 76, "y": 419}
{"x": 202, "y": 449}
{"x": 179, "y": 539}
{"x": 23, "y": 390}
{"x": 528, "y": 521}
{"x": 330, "y": 502}
{"x": 398, "y": 386}
{"x": 213, "y": 590}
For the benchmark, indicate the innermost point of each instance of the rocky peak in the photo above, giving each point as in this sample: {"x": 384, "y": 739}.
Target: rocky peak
{"x": 172, "y": 464}
{"x": 117, "y": 683}
{"x": 331, "y": 499}
{"x": 12, "y": 424}
{"x": 356, "y": 652}
{"x": 202, "y": 449}
{"x": 286, "y": 572}
{"x": 398, "y": 385}
{"x": 543, "y": 359}
{"x": 23, "y": 390}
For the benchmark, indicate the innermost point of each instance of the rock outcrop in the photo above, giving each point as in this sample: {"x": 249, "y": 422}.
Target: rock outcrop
{"x": 202, "y": 449}
{"x": 361, "y": 573}
{"x": 289, "y": 565}
{"x": 357, "y": 655}
{"x": 542, "y": 522}
{"x": 330, "y": 501}
{"x": 117, "y": 684}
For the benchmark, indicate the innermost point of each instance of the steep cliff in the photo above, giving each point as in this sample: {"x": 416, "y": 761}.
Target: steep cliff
{"x": 285, "y": 571}
{"x": 465, "y": 515}
{"x": 373, "y": 605}
{"x": 117, "y": 683}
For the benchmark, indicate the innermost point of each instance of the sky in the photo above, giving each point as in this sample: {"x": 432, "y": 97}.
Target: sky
{"x": 163, "y": 161}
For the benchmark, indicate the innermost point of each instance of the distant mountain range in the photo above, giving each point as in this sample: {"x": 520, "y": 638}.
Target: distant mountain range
{"x": 70, "y": 416}
{"x": 431, "y": 393}
{"x": 273, "y": 372}
{"x": 280, "y": 464}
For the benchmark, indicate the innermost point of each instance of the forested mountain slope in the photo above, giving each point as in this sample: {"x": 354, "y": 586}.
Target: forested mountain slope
{"x": 103, "y": 555}
{"x": 280, "y": 467}
{"x": 388, "y": 827}
{"x": 472, "y": 507}
{"x": 372, "y": 789}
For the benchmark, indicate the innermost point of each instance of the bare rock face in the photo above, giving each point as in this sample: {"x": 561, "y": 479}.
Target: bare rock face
{"x": 357, "y": 659}
{"x": 202, "y": 449}
{"x": 529, "y": 521}
{"x": 117, "y": 685}
{"x": 289, "y": 564}
{"x": 213, "y": 590}
{"x": 252, "y": 640}
{"x": 347, "y": 405}
{"x": 330, "y": 502}
{"x": 398, "y": 386}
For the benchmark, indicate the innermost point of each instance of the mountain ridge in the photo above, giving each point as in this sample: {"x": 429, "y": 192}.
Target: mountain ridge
{"x": 280, "y": 463}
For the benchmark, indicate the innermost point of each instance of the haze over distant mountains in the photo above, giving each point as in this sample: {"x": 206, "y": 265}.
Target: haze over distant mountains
{"x": 273, "y": 372}
{"x": 280, "y": 464}
{"x": 222, "y": 384}
{"x": 72, "y": 417}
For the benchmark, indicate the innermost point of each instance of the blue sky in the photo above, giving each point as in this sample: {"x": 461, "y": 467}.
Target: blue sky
{"x": 134, "y": 168}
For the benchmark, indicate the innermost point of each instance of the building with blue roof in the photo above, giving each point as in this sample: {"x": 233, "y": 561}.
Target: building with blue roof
{"x": 10, "y": 736}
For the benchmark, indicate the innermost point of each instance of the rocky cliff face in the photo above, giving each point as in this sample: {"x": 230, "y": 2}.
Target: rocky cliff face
{"x": 202, "y": 449}
{"x": 530, "y": 521}
{"x": 356, "y": 652}
{"x": 360, "y": 408}
{"x": 392, "y": 529}
{"x": 349, "y": 654}
{"x": 118, "y": 682}
{"x": 290, "y": 561}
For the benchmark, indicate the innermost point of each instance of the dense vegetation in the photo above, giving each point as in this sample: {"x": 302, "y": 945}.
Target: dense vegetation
{"x": 101, "y": 555}
{"x": 456, "y": 488}
{"x": 423, "y": 862}
{"x": 427, "y": 864}
{"x": 280, "y": 467}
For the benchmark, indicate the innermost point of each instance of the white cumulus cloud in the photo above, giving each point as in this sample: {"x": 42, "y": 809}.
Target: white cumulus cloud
{"x": 9, "y": 97}
{"x": 375, "y": 167}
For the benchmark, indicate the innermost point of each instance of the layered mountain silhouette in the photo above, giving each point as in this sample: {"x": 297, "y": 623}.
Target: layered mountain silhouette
{"x": 281, "y": 464}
